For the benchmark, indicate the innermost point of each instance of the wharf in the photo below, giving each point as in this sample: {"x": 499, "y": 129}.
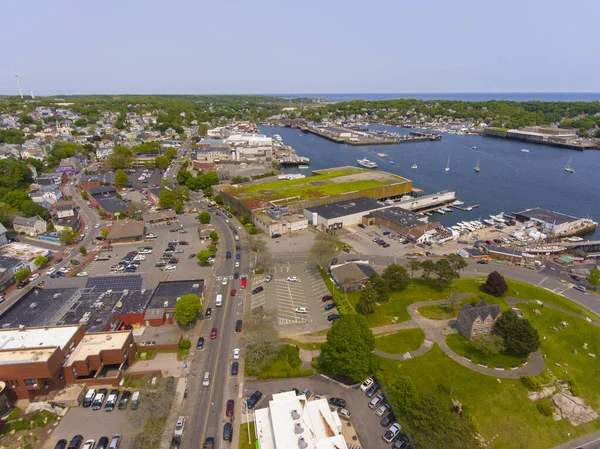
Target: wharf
{"x": 468, "y": 208}
{"x": 361, "y": 140}
{"x": 294, "y": 163}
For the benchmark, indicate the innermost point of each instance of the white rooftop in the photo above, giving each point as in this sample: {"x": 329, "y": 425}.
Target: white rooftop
{"x": 38, "y": 337}
{"x": 316, "y": 424}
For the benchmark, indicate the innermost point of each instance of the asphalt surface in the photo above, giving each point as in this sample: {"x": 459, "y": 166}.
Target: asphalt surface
{"x": 205, "y": 406}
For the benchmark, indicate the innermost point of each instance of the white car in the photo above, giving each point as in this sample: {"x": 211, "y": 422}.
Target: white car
{"x": 139, "y": 257}
{"x": 89, "y": 444}
{"x": 293, "y": 279}
{"x": 34, "y": 277}
{"x": 97, "y": 225}
{"x": 237, "y": 264}
{"x": 151, "y": 236}
{"x": 50, "y": 271}
{"x": 236, "y": 353}
{"x": 366, "y": 384}
{"x": 392, "y": 433}
{"x": 301, "y": 309}
{"x": 63, "y": 270}
{"x": 86, "y": 228}
{"x": 82, "y": 274}
{"x": 171, "y": 267}
{"x": 146, "y": 251}
{"x": 224, "y": 281}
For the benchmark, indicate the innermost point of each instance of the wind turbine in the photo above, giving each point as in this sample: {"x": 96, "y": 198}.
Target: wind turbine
{"x": 32, "y": 96}
{"x": 19, "y": 85}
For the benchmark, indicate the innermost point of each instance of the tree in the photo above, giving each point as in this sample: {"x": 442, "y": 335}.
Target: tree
{"x": 445, "y": 272}
{"x": 183, "y": 176}
{"x": 349, "y": 348}
{"x": 368, "y": 299}
{"x": 202, "y": 129}
{"x": 217, "y": 199}
{"x": 166, "y": 198}
{"x": 121, "y": 178}
{"x": 84, "y": 195}
{"x": 381, "y": 287}
{"x": 203, "y": 256}
{"x": 428, "y": 267}
{"x": 162, "y": 162}
{"x": 67, "y": 237}
{"x": 413, "y": 265}
{"x": 182, "y": 194}
{"x": 120, "y": 158}
{"x": 325, "y": 247}
{"x": 214, "y": 237}
{"x": 22, "y": 274}
{"x": 401, "y": 394}
{"x": 396, "y": 276}
{"x": 40, "y": 261}
{"x": 495, "y": 284}
{"x": 104, "y": 233}
{"x": 594, "y": 277}
{"x": 82, "y": 250}
{"x": 456, "y": 262}
{"x": 432, "y": 424}
{"x": 519, "y": 335}
{"x": 204, "y": 217}
{"x": 488, "y": 344}
{"x": 187, "y": 308}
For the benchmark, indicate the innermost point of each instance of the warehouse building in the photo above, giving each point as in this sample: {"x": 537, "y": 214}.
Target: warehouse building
{"x": 556, "y": 223}
{"x": 126, "y": 231}
{"x": 342, "y": 213}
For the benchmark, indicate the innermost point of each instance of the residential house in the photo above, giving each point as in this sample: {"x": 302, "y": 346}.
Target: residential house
{"x": 66, "y": 217}
{"x": 50, "y": 197}
{"x": 48, "y": 179}
{"x": 31, "y": 226}
{"x": 3, "y": 238}
{"x": 478, "y": 320}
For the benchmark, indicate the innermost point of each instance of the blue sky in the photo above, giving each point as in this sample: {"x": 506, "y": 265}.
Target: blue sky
{"x": 264, "y": 46}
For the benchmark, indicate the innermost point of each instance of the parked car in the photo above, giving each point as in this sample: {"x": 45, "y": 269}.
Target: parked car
{"x": 401, "y": 442}
{"x": 112, "y": 400}
{"x": 343, "y": 413}
{"x": 124, "y": 401}
{"x": 366, "y": 384}
{"x": 227, "y": 431}
{"x": 382, "y": 410}
{"x": 213, "y": 333}
{"x": 334, "y": 261}
{"x": 233, "y": 291}
{"x": 329, "y": 306}
{"x": 236, "y": 353}
{"x": 258, "y": 290}
{"x": 238, "y": 326}
{"x": 253, "y": 400}
{"x": 301, "y": 310}
{"x": 115, "y": 441}
{"x": 234, "y": 368}
{"x": 89, "y": 444}
{"x": 102, "y": 443}
{"x": 75, "y": 442}
{"x": 334, "y": 317}
{"x": 338, "y": 402}
{"x": 200, "y": 343}
{"x": 387, "y": 420}
{"x": 269, "y": 277}
{"x": 327, "y": 298}
{"x": 209, "y": 443}
{"x": 89, "y": 398}
{"x": 376, "y": 401}
{"x": 208, "y": 313}
{"x": 24, "y": 283}
{"x": 230, "y": 407}
{"x": 99, "y": 400}
{"x": 292, "y": 279}
{"x": 61, "y": 444}
{"x": 372, "y": 390}
{"x": 392, "y": 433}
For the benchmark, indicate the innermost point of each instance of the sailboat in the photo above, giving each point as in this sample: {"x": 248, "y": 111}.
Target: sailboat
{"x": 414, "y": 166}
{"x": 568, "y": 167}
{"x": 448, "y": 165}
{"x": 477, "y": 169}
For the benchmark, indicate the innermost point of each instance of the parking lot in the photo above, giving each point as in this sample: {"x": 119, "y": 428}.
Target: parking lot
{"x": 286, "y": 296}
{"x": 187, "y": 266}
{"x": 362, "y": 241}
{"x": 364, "y": 420}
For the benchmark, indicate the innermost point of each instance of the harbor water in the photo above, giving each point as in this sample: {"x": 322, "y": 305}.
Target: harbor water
{"x": 509, "y": 180}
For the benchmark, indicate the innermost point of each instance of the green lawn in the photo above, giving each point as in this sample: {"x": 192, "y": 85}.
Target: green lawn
{"x": 244, "y": 436}
{"x": 401, "y": 341}
{"x": 462, "y": 346}
{"x": 437, "y": 312}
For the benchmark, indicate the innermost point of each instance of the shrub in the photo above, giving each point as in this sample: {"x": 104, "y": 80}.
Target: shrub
{"x": 574, "y": 387}
{"x": 495, "y": 284}
{"x": 545, "y": 408}
{"x": 341, "y": 303}
{"x": 531, "y": 383}
{"x": 185, "y": 344}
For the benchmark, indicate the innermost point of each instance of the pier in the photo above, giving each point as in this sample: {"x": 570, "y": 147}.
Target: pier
{"x": 466, "y": 209}
{"x": 363, "y": 138}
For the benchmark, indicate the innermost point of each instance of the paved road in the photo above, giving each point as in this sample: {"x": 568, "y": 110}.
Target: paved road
{"x": 205, "y": 406}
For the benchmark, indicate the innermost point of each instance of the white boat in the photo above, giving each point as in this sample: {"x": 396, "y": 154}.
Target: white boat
{"x": 488, "y": 221}
{"x": 414, "y": 166}
{"x": 448, "y": 165}
{"x": 497, "y": 219}
{"x": 366, "y": 163}
{"x": 524, "y": 150}
{"x": 568, "y": 167}
{"x": 439, "y": 211}
{"x": 392, "y": 162}
{"x": 389, "y": 202}
{"x": 474, "y": 147}
{"x": 303, "y": 167}
{"x": 457, "y": 203}
{"x": 406, "y": 197}
{"x": 477, "y": 168}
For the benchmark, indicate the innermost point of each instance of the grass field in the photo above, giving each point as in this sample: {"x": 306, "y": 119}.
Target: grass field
{"x": 462, "y": 346}
{"x": 244, "y": 436}
{"x": 401, "y": 341}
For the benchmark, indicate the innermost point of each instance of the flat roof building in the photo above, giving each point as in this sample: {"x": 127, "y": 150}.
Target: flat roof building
{"x": 556, "y": 223}
{"x": 342, "y": 213}
{"x": 161, "y": 308}
{"x": 351, "y": 276}
{"x": 126, "y": 231}
{"x": 292, "y": 421}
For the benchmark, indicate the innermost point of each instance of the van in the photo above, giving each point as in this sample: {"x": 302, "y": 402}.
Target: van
{"x": 206, "y": 379}
{"x": 219, "y": 301}
{"x": 135, "y": 400}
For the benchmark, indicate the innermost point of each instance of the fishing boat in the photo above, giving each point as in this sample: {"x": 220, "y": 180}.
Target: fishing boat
{"x": 414, "y": 166}
{"x": 448, "y": 164}
{"x": 568, "y": 167}
{"x": 477, "y": 168}
{"x": 524, "y": 150}
{"x": 366, "y": 163}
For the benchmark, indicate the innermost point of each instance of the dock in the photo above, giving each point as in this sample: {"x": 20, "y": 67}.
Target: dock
{"x": 468, "y": 208}
{"x": 362, "y": 138}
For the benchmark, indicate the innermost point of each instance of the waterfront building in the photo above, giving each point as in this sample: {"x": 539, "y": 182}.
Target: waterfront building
{"x": 556, "y": 223}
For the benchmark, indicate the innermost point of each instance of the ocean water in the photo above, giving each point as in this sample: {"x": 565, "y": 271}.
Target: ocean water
{"x": 509, "y": 180}
{"x": 508, "y": 96}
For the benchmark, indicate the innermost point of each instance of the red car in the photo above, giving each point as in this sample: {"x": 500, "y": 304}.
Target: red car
{"x": 327, "y": 298}
{"x": 213, "y": 333}
{"x": 233, "y": 292}
{"x": 184, "y": 243}
{"x": 243, "y": 282}
{"x": 229, "y": 410}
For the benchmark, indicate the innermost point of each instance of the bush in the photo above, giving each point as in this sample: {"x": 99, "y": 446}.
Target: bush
{"x": 185, "y": 344}
{"x": 545, "y": 408}
{"x": 342, "y": 303}
{"x": 531, "y": 383}
{"x": 574, "y": 387}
